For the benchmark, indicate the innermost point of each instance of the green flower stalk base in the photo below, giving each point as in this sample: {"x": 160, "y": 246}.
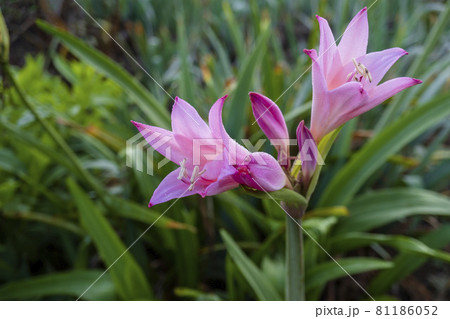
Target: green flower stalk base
{"x": 295, "y": 269}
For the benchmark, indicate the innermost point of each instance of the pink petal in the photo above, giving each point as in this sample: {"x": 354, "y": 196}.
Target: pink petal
{"x": 344, "y": 101}
{"x": 170, "y": 188}
{"x": 163, "y": 141}
{"x": 224, "y": 182}
{"x": 261, "y": 172}
{"x": 308, "y": 152}
{"x": 378, "y": 63}
{"x": 235, "y": 152}
{"x": 187, "y": 122}
{"x": 320, "y": 102}
{"x": 355, "y": 38}
{"x": 328, "y": 54}
{"x": 386, "y": 90}
{"x": 215, "y": 118}
{"x": 271, "y": 121}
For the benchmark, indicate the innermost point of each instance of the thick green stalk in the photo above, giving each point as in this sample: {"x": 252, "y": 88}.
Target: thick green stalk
{"x": 295, "y": 265}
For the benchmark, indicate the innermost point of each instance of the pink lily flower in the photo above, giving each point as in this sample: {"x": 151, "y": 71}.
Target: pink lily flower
{"x": 203, "y": 153}
{"x": 346, "y": 79}
{"x": 271, "y": 121}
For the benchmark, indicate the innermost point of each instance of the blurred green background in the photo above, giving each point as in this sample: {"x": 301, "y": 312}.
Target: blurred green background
{"x": 69, "y": 206}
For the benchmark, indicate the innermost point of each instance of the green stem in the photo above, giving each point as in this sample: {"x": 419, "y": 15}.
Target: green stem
{"x": 295, "y": 265}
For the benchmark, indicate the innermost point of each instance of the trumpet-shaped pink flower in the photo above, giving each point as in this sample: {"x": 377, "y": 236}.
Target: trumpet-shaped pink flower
{"x": 346, "y": 79}
{"x": 271, "y": 121}
{"x": 210, "y": 161}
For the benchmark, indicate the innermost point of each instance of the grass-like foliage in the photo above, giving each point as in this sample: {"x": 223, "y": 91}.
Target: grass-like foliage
{"x": 69, "y": 205}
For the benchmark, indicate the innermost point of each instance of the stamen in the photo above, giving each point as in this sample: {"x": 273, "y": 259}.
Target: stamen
{"x": 194, "y": 173}
{"x": 201, "y": 172}
{"x": 182, "y": 173}
{"x": 357, "y": 65}
{"x": 369, "y": 76}
{"x": 183, "y": 170}
{"x": 350, "y": 75}
{"x": 191, "y": 187}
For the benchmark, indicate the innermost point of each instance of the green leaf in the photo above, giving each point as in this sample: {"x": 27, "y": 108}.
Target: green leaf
{"x": 150, "y": 106}
{"x": 386, "y": 206}
{"x": 192, "y": 294}
{"x": 351, "y": 241}
{"x": 257, "y": 280}
{"x": 406, "y": 263}
{"x": 186, "y": 81}
{"x": 71, "y": 283}
{"x": 375, "y": 153}
{"x": 235, "y": 31}
{"x": 245, "y": 79}
{"x": 4, "y": 40}
{"x": 283, "y": 195}
{"x": 327, "y": 211}
{"x": 128, "y": 277}
{"x": 247, "y": 209}
{"x": 398, "y": 105}
{"x": 146, "y": 215}
{"x": 325, "y": 272}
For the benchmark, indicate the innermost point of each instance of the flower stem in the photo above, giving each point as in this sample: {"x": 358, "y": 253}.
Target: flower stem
{"x": 295, "y": 270}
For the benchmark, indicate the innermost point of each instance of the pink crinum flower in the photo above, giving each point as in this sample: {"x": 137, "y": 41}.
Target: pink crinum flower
{"x": 345, "y": 78}
{"x": 210, "y": 162}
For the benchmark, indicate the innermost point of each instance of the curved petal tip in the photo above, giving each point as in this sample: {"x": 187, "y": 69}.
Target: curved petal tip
{"x": 311, "y": 53}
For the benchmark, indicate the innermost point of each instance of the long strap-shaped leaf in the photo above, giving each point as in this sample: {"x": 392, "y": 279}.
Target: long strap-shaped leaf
{"x": 256, "y": 279}
{"x": 407, "y": 244}
{"x": 150, "y": 106}
{"x": 127, "y": 276}
{"x": 406, "y": 263}
{"x": 374, "y": 154}
{"x": 236, "y": 113}
{"x": 69, "y": 283}
{"x": 330, "y": 270}
{"x": 382, "y": 207}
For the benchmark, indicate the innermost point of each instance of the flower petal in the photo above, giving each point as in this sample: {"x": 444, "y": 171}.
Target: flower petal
{"x": 328, "y": 53}
{"x": 345, "y": 99}
{"x": 271, "y": 121}
{"x": 170, "y": 188}
{"x": 234, "y": 152}
{"x": 261, "y": 172}
{"x": 187, "y": 122}
{"x": 215, "y": 118}
{"x": 308, "y": 152}
{"x": 378, "y": 63}
{"x": 320, "y": 103}
{"x": 224, "y": 182}
{"x": 355, "y": 38}
{"x": 386, "y": 90}
{"x": 163, "y": 141}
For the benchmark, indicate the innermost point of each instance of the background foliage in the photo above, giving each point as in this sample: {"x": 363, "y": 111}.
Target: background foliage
{"x": 69, "y": 206}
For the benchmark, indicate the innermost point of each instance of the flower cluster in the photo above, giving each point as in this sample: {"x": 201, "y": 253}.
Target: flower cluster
{"x": 345, "y": 80}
